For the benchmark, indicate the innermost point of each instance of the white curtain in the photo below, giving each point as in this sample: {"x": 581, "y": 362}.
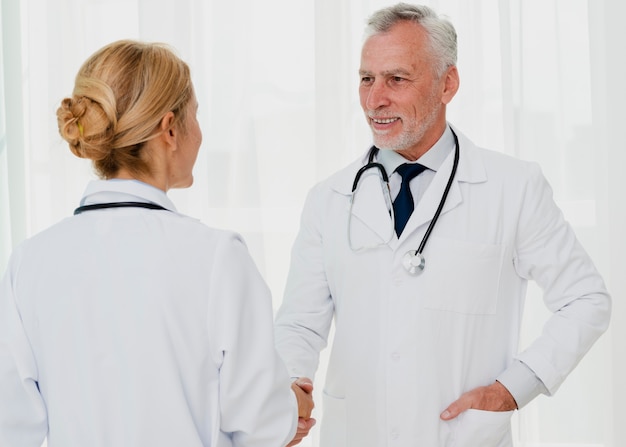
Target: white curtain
{"x": 277, "y": 85}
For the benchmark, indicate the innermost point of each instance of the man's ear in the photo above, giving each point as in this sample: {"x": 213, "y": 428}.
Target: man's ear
{"x": 450, "y": 85}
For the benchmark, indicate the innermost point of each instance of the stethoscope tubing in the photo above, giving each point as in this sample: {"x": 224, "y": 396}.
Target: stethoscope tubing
{"x": 442, "y": 202}
{"x": 100, "y": 206}
{"x": 412, "y": 267}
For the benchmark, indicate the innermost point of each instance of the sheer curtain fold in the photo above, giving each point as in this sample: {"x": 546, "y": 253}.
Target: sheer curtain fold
{"x": 277, "y": 84}
{"x": 13, "y": 180}
{"x": 5, "y": 216}
{"x": 608, "y": 71}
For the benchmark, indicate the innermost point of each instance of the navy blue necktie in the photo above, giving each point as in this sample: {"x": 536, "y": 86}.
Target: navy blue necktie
{"x": 403, "y": 204}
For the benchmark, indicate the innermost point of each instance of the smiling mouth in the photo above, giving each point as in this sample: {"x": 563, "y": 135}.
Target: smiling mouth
{"x": 384, "y": 120}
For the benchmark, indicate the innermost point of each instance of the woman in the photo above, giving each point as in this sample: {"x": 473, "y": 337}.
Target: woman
{"x": 129, "y": 323}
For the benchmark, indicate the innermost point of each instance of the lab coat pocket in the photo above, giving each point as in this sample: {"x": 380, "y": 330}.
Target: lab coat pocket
{"x": 477, "y": 428}
{"x": 464, "y": 276}
{"x": 333, "y": 431}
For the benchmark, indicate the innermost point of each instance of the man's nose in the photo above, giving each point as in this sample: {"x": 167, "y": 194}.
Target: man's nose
{"x": 377, "y": 96}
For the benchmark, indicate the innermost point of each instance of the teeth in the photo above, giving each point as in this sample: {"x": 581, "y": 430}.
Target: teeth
{"x": 384, "y": 121}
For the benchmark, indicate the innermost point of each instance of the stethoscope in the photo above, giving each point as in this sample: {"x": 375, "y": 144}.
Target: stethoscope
{"x": 413, "y": 260}
{"x": 100, "y": 206}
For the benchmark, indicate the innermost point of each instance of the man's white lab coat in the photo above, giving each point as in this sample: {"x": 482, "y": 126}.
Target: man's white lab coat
{"x": 137, "y": 327}
{"x": 405, "y": 347}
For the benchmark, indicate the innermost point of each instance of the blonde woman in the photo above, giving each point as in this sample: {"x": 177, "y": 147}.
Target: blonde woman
{"x": 130, "y": 324}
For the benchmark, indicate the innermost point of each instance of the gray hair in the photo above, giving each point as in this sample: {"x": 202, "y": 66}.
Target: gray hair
{"x": 443, "y": 42}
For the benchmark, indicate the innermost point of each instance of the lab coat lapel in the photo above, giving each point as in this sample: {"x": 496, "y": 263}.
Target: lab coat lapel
{"x": 371, "y": 208}
{"x": 470, "y": 170}
{"x": 370, "y": 221}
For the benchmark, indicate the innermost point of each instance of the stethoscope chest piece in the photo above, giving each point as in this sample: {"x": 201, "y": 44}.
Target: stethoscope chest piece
{"x": 413, "y": 262}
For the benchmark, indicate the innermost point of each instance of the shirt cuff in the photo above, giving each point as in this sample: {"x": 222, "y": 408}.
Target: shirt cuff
{"x": 522, "y": 383}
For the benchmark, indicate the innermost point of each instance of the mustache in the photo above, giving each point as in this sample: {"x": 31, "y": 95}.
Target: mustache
{"x": 378, "y": 115}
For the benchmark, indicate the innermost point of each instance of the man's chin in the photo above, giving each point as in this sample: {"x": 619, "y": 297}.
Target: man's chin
{"x": 385, "y": 145}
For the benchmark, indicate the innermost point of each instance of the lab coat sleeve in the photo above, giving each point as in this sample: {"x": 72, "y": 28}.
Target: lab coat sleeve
{"x": 548, "y": 252}
{"x": 304, "y": 319}
{"x": 23, "y": 419}
{"x": 522, "y": 383}
{"x": 257, "y": 406}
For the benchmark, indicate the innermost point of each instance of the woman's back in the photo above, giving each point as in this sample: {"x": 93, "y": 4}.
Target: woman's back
{"x": 145, "y": 327}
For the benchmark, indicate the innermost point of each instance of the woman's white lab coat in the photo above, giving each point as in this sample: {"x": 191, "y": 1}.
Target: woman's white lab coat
{"x": 406, "y": 347}
{"x": 136, "y": 327}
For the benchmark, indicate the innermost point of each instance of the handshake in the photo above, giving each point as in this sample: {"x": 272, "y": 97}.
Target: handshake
{"x": 303, "y": 388}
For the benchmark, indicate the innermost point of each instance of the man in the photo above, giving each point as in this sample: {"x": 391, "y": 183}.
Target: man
{"x": 427, "y": 315}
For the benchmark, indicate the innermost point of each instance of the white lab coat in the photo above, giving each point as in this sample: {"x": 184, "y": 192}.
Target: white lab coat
{"x": 406, "y": 347}
{"x": 136, "y": 327}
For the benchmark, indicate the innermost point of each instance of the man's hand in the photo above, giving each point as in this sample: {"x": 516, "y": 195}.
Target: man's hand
{"x": 494, "y": 397}
{"x": 304, "y": 426}
{"x": 303, "y": 388}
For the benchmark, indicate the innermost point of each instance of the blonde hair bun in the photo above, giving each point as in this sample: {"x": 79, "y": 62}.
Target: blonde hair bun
{"x": 121, "y": 94}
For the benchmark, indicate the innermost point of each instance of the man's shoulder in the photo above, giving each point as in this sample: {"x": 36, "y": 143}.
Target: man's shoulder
{"x": 342, "y": 179}
{"x": 492, "y": 157}
{"x": 495, "y": 162}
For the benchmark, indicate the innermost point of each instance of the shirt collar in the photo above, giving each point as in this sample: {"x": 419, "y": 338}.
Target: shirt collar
{"x": 432, "y": 159}
{"x": 121, "y": 190}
